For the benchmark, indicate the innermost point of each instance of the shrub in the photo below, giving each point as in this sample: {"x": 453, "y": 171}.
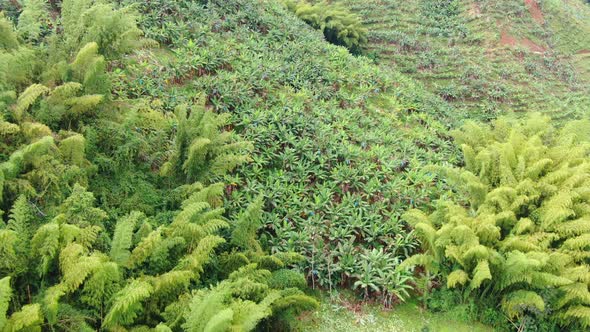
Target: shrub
{"x": 284, "y": 278}
{"x": 339, "y": 26}
{"x": 522, "y": 233}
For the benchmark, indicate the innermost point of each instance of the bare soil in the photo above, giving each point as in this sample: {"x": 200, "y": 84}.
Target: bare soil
{"x": 508, "y": 39}
{"x": 535, "y": 11}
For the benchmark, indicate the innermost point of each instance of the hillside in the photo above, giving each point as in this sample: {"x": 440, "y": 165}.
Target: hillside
{"x": 339, "y": 144}
{"x": 487, "y": 57}
{"x": 246, "y": 165}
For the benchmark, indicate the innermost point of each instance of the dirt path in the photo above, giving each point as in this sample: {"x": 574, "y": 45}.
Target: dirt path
{"x": 535, "y": 11}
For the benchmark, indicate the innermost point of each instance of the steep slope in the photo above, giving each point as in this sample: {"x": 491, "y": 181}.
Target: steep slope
{"x": 339, "y": 142}
{"x": 487, "y": 56}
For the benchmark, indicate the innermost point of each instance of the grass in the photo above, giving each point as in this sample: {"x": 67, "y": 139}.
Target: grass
{"x": 342, "y": 313}
{"x": 486, "y": 57}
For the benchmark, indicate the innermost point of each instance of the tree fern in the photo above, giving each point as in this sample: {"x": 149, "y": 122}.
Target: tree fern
{"x": 127, "y": 304}
{"x": 145, "y": 248}
{"x": 201, "y": 148}
{"x": 31, "y": 19}
{"x": 5, "y": 294}
{"x": 28, "y": 98}
{"x": 29, "y": 318}
{"x": 514, "y": 304}
{"x": 456, "y": 278}
{"x": 114, "y": 30}
{"x": 205, "y": 305}
{"x": 8, "y": 38}
{"x": 221, "y": 321}
{"x": 526, "y": 231}
{"x": 339, "y": 26}
{"x": 247, "y": 314}
{"x": 200, "y": 255}
{"x": 248, "y": 223}
{"x": 45, "y": 245}
{"x": 123, "y": 237}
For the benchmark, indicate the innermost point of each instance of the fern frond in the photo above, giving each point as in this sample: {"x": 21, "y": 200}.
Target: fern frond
{"x": 101, "y": 286}
{"x": 515, "y": 303}
{"x": 221, "y": 321}
{"x": 45, "y": 244}
{"x": 247, "y": 314}
{"x": 8, "y": 253}
{"x": 76, "y": 267}
{"x": 72, "y": 149}
{"x": 65, "y": 91}
{"x": 81, "y": 105}
{"x": 8, "y": 38}
{"x": 51, "y": 301}
{"x": 172, "y": 283}
{"x": 200, "y": 255}
{"x": 457, "y": 277}
{"x": 576, "y": 293}
{"x": 205, "y": 305}
{"x": 244, "y": 234}
{"x": 145, "y": 248}
{"x": 580, "y": 313}
{"x": 32, "y": 19}
{"x": 578, "y": 243}
{"x": 481, "y": 273}
{"x": 127, "y": 304}
{"x": 29, "y": 318}
{"x": 28, "y": 98}
{"x": 123, "y": 237}
{"x": 5, "y": 295}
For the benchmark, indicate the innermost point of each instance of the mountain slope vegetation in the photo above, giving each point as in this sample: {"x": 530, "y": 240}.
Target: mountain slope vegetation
{"x": 487, "y": 57}
{"x": 215, "y": 165}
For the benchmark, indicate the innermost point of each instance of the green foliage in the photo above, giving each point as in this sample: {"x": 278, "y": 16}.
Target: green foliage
{"x": 5, "y": 293}
{"x": 127, "y": 304}
{"x": 123, "y": 238}
{"x": 338, "y": 143}
{"x": 96, "y": 237}
{"x": 339, "y": 26}
{"x": 114, "y": 30}
{"x": 522, "y": 237}
{"x": 33, "y": 20}
{"x": 244, "y": 233}
{"x": 201, "y": 149}
{"x": 486, "y": 57}
{"x": 285, "y": 278}
{"x": 9, "y": 39}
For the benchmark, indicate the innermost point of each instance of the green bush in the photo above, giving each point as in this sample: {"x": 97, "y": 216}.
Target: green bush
{"x": 339, "y": 26}
{"x": 284, "y": 278}
{"x": 111, "y": 216}
{"x": 521, "y": 235}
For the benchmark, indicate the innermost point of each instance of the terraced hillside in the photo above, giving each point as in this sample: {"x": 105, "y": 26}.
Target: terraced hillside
{"x": 487, "y": 56}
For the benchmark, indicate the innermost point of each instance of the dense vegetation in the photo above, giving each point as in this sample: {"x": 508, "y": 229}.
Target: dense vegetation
{"x": 202, "y": 165}
{"x": 487, "y": 57}
{"x": 522, "y": 239}
{"x": 112, "y": 212}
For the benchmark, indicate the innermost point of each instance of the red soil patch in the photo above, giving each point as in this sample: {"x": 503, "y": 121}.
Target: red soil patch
{"x": 535, "y": 11}
{"x": 583, "y": 52}
{"x": 532, "y": 46}
{"x": 508, "y": 39}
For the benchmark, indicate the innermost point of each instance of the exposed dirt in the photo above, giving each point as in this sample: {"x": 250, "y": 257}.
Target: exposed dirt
{"x": 510, "y": 40}
{"x": 532, "y": 45}
{"x": 583, "y": 52}
{"x": 507, "y": 39}
{"x": 535, "y": 11}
